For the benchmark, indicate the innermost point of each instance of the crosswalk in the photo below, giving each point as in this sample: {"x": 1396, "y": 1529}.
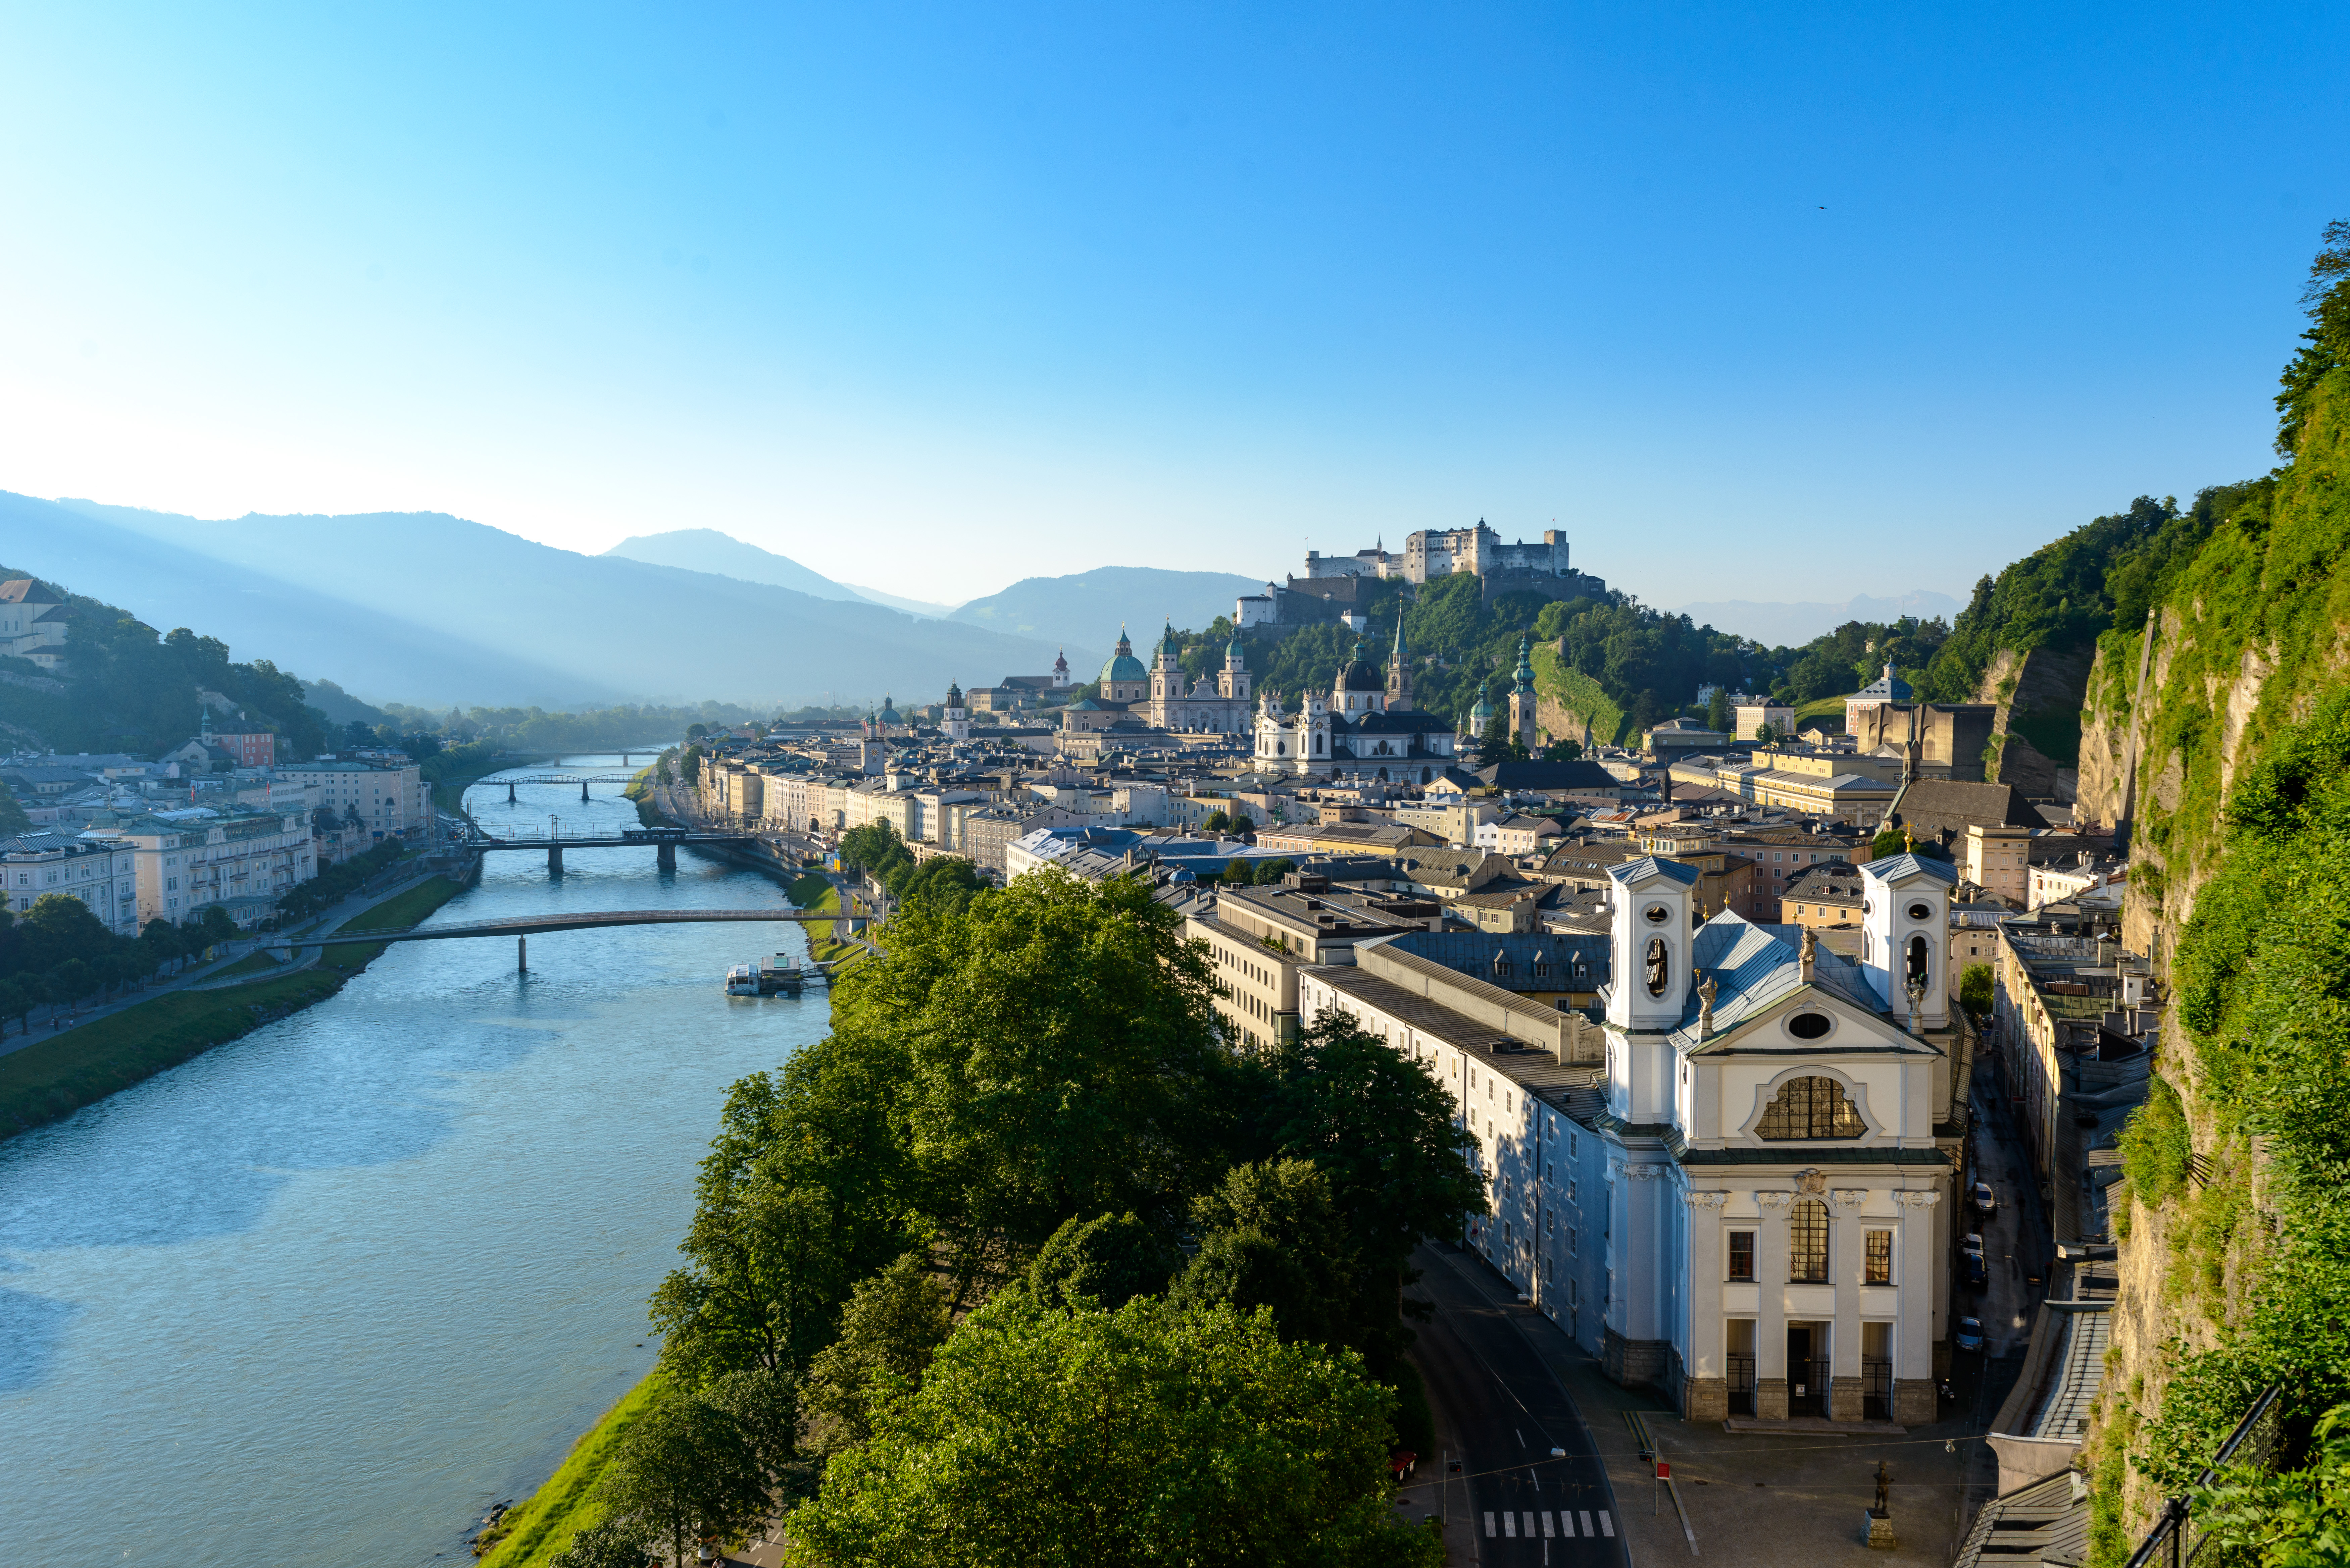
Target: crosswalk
{"x": 1554, "y": 1524}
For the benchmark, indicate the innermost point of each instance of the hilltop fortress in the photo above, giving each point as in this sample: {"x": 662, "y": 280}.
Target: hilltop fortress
{"x": 1329, "y": 589}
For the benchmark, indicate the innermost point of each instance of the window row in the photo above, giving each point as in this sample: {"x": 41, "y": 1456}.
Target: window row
{"x": 1807, "y": 1248}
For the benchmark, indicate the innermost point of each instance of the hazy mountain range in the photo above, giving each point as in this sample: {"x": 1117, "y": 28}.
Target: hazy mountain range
{"x": 429, "y": 608}
{"x": 1080, "y": 612}
{"x": 1793, "y": 625}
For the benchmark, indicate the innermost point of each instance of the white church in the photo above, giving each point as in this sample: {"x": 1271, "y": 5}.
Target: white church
{"x": 1741, "y": 1185}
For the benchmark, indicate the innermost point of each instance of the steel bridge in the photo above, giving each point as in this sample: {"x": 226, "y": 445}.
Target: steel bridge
{"x": 663, "y": 840}
{"x": 582, "y": 780}
{"x": 848, "y": 923}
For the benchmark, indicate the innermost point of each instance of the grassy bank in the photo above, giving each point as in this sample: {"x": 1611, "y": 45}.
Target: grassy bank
{"x": 57, "y": 1077}
{"x": 543, "y": 1524}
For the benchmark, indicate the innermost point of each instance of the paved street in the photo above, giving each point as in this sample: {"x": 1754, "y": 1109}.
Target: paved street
{"x": 1500, "y": 1411}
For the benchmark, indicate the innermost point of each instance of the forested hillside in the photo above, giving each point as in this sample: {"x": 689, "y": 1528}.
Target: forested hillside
{"x": 127, "y": 688}
{"x": 2237, "y": 1254}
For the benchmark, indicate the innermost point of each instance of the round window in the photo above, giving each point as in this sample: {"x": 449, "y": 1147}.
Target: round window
{"x": 1809, "y": 1025}
{"x": 1920, "y": 912}
{"x": 1658, "y": 914}
{"x": 1866, "y": 908}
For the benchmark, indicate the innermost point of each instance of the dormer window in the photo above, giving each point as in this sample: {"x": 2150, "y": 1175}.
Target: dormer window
{"x": 1502, "y": 968}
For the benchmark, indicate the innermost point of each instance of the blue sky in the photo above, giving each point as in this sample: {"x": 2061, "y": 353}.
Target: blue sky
{"x": 1769, "y": 303}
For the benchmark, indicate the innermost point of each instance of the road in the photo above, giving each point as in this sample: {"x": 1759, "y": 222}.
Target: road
{"x": 1500, "y": 1412}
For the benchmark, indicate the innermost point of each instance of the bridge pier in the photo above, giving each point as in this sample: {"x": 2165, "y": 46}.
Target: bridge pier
{"x": 554, "y": 860}
{"x": 509, "y": 793}
{"x": 665, "y": 855}
{"x": 583, "y": 792}
{"x": 522, "y": 955}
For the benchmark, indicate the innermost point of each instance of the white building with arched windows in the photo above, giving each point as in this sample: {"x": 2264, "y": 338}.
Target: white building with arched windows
{"x": 1741, "y": 1185}
{"x": 1364, "y": 724}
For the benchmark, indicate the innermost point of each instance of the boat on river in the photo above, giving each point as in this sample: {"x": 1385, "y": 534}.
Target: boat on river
{"x": 778, "y": 976}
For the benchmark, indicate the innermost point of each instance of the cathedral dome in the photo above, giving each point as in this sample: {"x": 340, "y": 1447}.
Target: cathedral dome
{"x": 1123, "y": 665}
{"x": 1358, "y": 674}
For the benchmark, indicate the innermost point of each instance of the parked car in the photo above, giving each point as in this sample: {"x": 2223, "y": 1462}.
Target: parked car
{"x": 1983, "y": 1198}
{"x": 1978, "y": 1275}
{"x": 1971, "y": 1244}
{"x": 1970, "y": 1334}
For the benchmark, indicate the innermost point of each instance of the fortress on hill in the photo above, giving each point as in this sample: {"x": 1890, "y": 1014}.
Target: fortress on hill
{"x": 1330, "y": 590}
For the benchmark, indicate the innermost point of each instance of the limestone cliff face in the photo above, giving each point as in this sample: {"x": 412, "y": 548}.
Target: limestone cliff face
{"x": 2039, "y": 694}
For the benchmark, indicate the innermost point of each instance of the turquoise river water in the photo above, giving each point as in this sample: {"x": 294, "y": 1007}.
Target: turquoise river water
{"x": 322, "y": 1294}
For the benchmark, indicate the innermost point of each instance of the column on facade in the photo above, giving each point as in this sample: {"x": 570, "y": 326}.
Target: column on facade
{"x": 1847, "y": 1253}
{"x": 1916, "y": 1260}
{"x": 1770, "y": 1319}
{"x": 1705, "y": 1396}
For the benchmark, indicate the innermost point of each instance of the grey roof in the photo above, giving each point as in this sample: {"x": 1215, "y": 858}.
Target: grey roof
{"x": 1895, "y": 868}
{"x": 1473, "y": 953}
{"x": 2045, "y": 1522}
{"x": 1649, "y": 865}
{"x": 1754, "y": 967}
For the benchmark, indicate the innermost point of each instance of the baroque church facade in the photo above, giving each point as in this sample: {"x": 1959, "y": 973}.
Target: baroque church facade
{"x": 1364, "y": 724}
{"x": 1158, "y": 696}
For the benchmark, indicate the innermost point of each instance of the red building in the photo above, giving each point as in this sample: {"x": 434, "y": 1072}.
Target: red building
{"x": 251, "y": 751}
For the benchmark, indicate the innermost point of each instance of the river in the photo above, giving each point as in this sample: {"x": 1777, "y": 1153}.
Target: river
{"x": 323, "y": 1294}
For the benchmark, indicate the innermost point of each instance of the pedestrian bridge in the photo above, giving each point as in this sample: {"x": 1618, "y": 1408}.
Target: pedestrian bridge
{"x": 555, "y": 841}
{"x": 582, "y": 780}
{"x": 851, "y": 924}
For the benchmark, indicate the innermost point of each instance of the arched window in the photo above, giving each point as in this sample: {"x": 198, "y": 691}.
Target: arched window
{"x": 1810, "y": 1108}
{"x": 1917, "y": 960}
{"x": 1807, "y": 1239}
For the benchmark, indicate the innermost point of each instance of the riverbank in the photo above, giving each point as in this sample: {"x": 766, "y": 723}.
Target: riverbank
{"x": 538, "y": 1529}
{"x": 51, "y": 1079}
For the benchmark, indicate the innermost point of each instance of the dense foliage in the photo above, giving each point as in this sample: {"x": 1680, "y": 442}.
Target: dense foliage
{"x": 2245, "y": 1158}
{"x": 128, "y": 689}
{"x": 58, "y": 954}
{"x": 1150, "y": 1433}
{"x": 877, "y": 850}
{"x": 1026, "y": 1099}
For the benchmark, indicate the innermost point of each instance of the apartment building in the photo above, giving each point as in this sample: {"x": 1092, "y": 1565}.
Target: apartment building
{"x": 101, "y": 872}
{"x": 389, "y": 796}
{"x": 193, "y": 858}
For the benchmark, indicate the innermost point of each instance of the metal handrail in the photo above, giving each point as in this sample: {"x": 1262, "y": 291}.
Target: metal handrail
{"x": 2176, "y": 1520}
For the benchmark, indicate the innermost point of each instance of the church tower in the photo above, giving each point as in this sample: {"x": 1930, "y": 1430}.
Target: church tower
{"x": 1398, "y": 672}
{"x": 1166, "y": 675}
{"x": 1060, "y": 669}
{"x": 956, "y": 725}
{"x": 1522, "y": 699}
{"x": 1232, "y": 681}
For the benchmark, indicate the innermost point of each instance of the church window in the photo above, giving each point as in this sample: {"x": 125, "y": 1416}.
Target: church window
{"x": 1810, "y": 1108}
{"x": 1880, "y": 1258}
{"x": 1807, "y": 1240}
{"x": 1809, "y": 1025}
{"x": 1917, "y": 960}
{"x": 1742, "y": 1254}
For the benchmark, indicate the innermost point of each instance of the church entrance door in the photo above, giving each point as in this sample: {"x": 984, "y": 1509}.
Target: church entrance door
{"x": 1807, "y": 1369}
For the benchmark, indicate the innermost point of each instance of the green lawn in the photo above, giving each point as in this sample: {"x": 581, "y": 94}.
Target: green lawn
{"x": 251, "y": 963}
{"x": 63, "y": 1072}
{"x": 543, "y": 1524}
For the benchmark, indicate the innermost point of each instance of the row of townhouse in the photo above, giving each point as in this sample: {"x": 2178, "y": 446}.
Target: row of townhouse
{"x": 1740, "y": 1185}
{"x": 165, "y": 865}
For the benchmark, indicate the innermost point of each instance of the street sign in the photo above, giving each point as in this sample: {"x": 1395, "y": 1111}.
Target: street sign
{"x": 1664, "y": 1470}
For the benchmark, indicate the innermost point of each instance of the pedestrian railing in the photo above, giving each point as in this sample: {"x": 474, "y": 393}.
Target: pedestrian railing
{"x": 2175, "y": 1537}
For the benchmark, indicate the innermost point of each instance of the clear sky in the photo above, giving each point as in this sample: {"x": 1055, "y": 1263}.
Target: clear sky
{"x": 1769, "y": 302}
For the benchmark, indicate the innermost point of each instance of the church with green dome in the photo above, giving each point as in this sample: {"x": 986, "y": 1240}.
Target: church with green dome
{"x": 1158, "y": 696}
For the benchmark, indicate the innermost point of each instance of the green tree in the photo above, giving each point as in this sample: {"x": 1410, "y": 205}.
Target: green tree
{"x": 1563, "y": 751}
{"x": 1106, "y": 1261}
{"x": 1218, "y": 822}
{"x": 798, "y": 1199}
{"x": 1888, "y": 841}
{"x": 1270, "y": 1237}
{"x": 1237, "y": 872}
{"x": 1058, "y": 1440}
{"x": 1379, "y": 1130}
{"x": 1716, "y": 711}
{"x": 892, "y": 1325}
{"x": 1046, "y": 1052}
{"x": 1975, "y": 990}
{"x": 1270, "y": 873}
{"x": 684, "y": 1472}
{"x": 611, "y": 1543}
{"x": 1767, "y": 734}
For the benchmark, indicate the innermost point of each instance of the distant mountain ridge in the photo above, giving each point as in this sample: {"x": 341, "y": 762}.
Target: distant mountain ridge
{"x": 708, "y": 550}
{"x": 1085, "y": 609}
{"x": 1793, "y": 625}
{"x": 428, "y": 609}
